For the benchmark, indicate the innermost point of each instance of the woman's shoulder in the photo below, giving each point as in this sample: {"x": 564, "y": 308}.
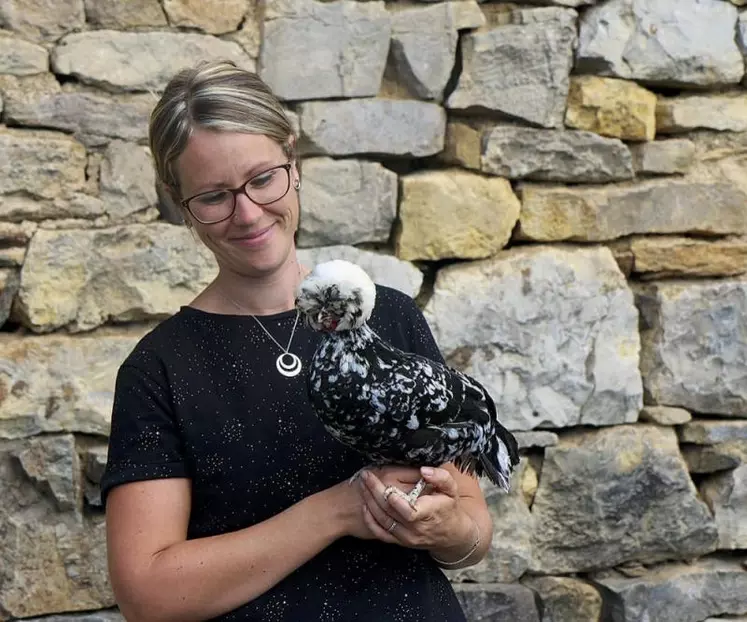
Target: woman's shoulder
{"x": 394, "y": 302}
{"x": 159, "y": 341}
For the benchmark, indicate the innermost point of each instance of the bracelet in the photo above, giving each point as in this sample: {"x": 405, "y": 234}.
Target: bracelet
{"x": 445, "y": 564}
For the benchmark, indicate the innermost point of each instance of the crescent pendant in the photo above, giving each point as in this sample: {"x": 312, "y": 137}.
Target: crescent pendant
{"x": 288, "y": 364}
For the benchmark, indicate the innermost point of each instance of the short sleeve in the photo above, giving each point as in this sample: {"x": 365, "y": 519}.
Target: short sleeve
{"x": 144, "y": 442}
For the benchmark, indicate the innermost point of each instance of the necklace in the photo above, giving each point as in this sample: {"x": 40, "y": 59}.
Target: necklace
{"x": 287, "y": 363}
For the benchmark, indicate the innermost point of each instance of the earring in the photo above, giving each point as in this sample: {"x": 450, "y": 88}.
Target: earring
{"x": 297, "y": 184}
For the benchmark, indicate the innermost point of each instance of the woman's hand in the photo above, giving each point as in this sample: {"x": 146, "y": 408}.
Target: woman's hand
{"x": 437, "y": 521}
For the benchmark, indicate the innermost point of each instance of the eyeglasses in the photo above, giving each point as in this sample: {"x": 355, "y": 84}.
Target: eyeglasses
{"x": 218, "y": 205}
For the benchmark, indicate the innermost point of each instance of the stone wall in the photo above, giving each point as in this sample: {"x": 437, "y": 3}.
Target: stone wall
{"x": 564, "y": 189}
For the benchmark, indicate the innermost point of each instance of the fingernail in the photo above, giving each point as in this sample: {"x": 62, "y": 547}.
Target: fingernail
{"x": 426, "y": 470}
{"x": 365, "y": 475}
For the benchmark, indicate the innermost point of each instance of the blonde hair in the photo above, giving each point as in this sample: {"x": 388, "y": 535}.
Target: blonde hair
{"x": 215, "y": 95}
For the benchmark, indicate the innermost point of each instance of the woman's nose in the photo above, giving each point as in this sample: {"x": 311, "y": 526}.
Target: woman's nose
{"x": 247, "y": 211}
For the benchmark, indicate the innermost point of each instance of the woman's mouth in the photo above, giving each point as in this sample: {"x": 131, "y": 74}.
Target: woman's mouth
{"x": 255, "y": 238}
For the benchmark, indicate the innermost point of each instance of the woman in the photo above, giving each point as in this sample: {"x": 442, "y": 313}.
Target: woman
{"x": 225, "y": 497}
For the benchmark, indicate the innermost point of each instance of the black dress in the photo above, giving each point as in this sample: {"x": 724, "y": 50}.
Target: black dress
{"x": 200, "y": 397}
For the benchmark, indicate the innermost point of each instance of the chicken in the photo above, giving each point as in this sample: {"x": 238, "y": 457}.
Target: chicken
{"x": 392, "y": 406}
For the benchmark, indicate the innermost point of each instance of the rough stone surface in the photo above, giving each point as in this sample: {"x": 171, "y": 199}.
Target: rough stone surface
{"x": 98, "y": 616}
{"x": 51, "y": 463}
{"x": 213, "y": 16}
{"x": 665, "y": 257}
{"x": 706, "y": 204}
{"x": 714, "y": 458}
{"x": 641, "y": 41}
{"x": 346, "y": 202}
{"x": 9, "y": 285}
{"x": 13, "y": 240}
{"x": 128, "y": 180}
{"x": 92, "y": 117}
{"x": 628, "y": 495}
{"x": 45, "y": 19}
{"x": 383, "y": 269}
{"x": 22, "y": 58}
{"x": 424, "y": 42}
{"x": 722, "y": 112}
{"x": 536, "y": 438}
{"x": 570, "y": 156}
{"x": 372, "y": 126}
{"x": 82, "y": 279}
{"x": 555, "y": 341}
{"x": 39, "y": 165}
{"x": 726, "y": 496}
{"x": 138, "y": 61}
{"x": 317, "y": 50}
{"x": 665, "y": 415}
{"x": 521, "y": 69}
{"x": 694, "y": 353}
{"x": 453, "y": 213}
{"x": 611, "y": 107}
{"x": 566, "y": 599}
{"x": 55, "y": 383}
{"x": 663, "y": 157}
{"x": 682, "y": 592}
{"x": 497, "y": 602}
{"x": 712, "y": 431}
{"x": 130, "y": 14}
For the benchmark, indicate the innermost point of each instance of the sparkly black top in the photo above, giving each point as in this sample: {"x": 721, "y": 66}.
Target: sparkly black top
{"x": 200, "y": 397}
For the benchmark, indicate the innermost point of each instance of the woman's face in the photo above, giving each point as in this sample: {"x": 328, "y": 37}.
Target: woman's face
{"x": 257, "y": 239}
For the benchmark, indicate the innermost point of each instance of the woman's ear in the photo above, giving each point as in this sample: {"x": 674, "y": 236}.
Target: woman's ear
{"x": 169, "y": 205}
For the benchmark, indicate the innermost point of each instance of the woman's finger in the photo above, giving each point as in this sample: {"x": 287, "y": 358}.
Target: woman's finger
{"x": 377, "y": 530}
{"x": 392, "y": 504}
{"x": 378, "y": 510}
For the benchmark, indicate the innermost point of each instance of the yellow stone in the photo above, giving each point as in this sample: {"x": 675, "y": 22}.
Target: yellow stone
{"x": 611, "y": 107}
{"x": 662, "y": 257}
{"x": 463, "y": 145}
{"x": 213, "y": 16}
{"x": 454, "y": 214}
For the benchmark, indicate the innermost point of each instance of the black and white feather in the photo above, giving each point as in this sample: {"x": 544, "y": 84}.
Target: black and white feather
{"x": 392, "y": 406}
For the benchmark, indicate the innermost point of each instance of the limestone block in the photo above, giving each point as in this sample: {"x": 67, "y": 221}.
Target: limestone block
{"x": 318, "y": 50}
{"x": 383, "y": 269}
{"x": 14, "y": 238}
{"x": 82, "y": 279}
{"x": 682, "y": 592}
{"x": 346, "y": 202}
{"x": 666, "y": 42}
{"x": 20, "y": 57}
{"x": 372, "y": 126}
{"x": 722, "y": 112}
{"x": 453, "y": 213}
{"x": 9, "y": 284}
{"x": 554, "y": 155}
{"x": 118, "y": 15}
{"x": 42, "y": 19}
{"x": 497, "y": 601}
{"x": 693, "y": 351}
{"x": 663, "y": 157}
{"x": 726, "y": 495}
{"x": 128, "y": 180}
{"x": 138, "y": 61}
{"x": 555, "y": 340}
{"x": 712, "y": 431}
{"x": 520, "y": 69}
{"x": 213, "y": 16}
{"x": 611, "y": 107}
{"x": 567, "y": 599}
{"x": 616, "y": 495}
{"x": 668, "y": 256}
{"x": 714, "y": 458}
{"x": 536, "y": 438}
{"x": 665, "y": 415}
{"x": 97, "y": 616}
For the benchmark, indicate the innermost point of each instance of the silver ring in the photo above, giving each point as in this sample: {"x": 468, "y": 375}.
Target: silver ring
{"x": 391, "y": 529}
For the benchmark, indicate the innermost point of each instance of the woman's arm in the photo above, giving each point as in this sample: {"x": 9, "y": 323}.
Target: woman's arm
{"x": 159, "y": 576}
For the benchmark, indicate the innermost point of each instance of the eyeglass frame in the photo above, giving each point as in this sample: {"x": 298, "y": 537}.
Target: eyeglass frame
{"x": 240, "y": 190}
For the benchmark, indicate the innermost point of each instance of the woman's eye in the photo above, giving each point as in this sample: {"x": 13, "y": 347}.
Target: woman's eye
{"x": 213, "y": 198}
{"x": 262, "y": 180}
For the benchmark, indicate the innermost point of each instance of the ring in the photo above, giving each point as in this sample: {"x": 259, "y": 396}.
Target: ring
{"x": 391, "y": 529}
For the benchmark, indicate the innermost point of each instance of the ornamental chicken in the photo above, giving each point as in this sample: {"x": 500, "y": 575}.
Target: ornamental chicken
{"x": 392, "y": 406}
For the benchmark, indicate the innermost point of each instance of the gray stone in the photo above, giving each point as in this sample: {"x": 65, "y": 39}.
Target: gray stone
{"x": 138, "y": 61}
{"x": 712, "y": 432}
{"x": 497, "y": 602}
{"x": 372, "y": 126}
{"x": 13, "y": 240}
{"x": 555, "y": 341}
{"x": 81, "y": 208}
{"x": 692, "y": 355}
{"x": 726, "y": 496}
{"x": 663, "y": 157}
{"x": 92, "y": 117}
{"x": 714, "y": 458}
{"x": 383, "y": 269}
{"x": 511, "y": 547}
{"x": 664, "y": 42}
{"x": 95, "y": 462}
{"x": 317, "y": 50}
{"x": 722, "y": 112}
{"x": 521, "y": 69}
{"x": 57, "y": 383}
{"x": 616, "y": 495}
{"x": 570, "y": 156}
{"x": 536, "y": 438}
{"x": 346, "y": 202}
{"x": 682, "y": 592}
{"x": 567, "y": 599}
{"x": 122, "y": 15}
{"x": 9, "y": 283}
{"x": 39, "y": 164}
{"x": 42, "y": 19}
{"x": 130, "y": 273}
{"x": 128, "y": 180}
{"x": 22, "y": 58}
{"x": 424, "y": 42}
{"x": 51, "y": 463}
{"x": 98, "y": 616}
{"x": 665, "y": 415}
